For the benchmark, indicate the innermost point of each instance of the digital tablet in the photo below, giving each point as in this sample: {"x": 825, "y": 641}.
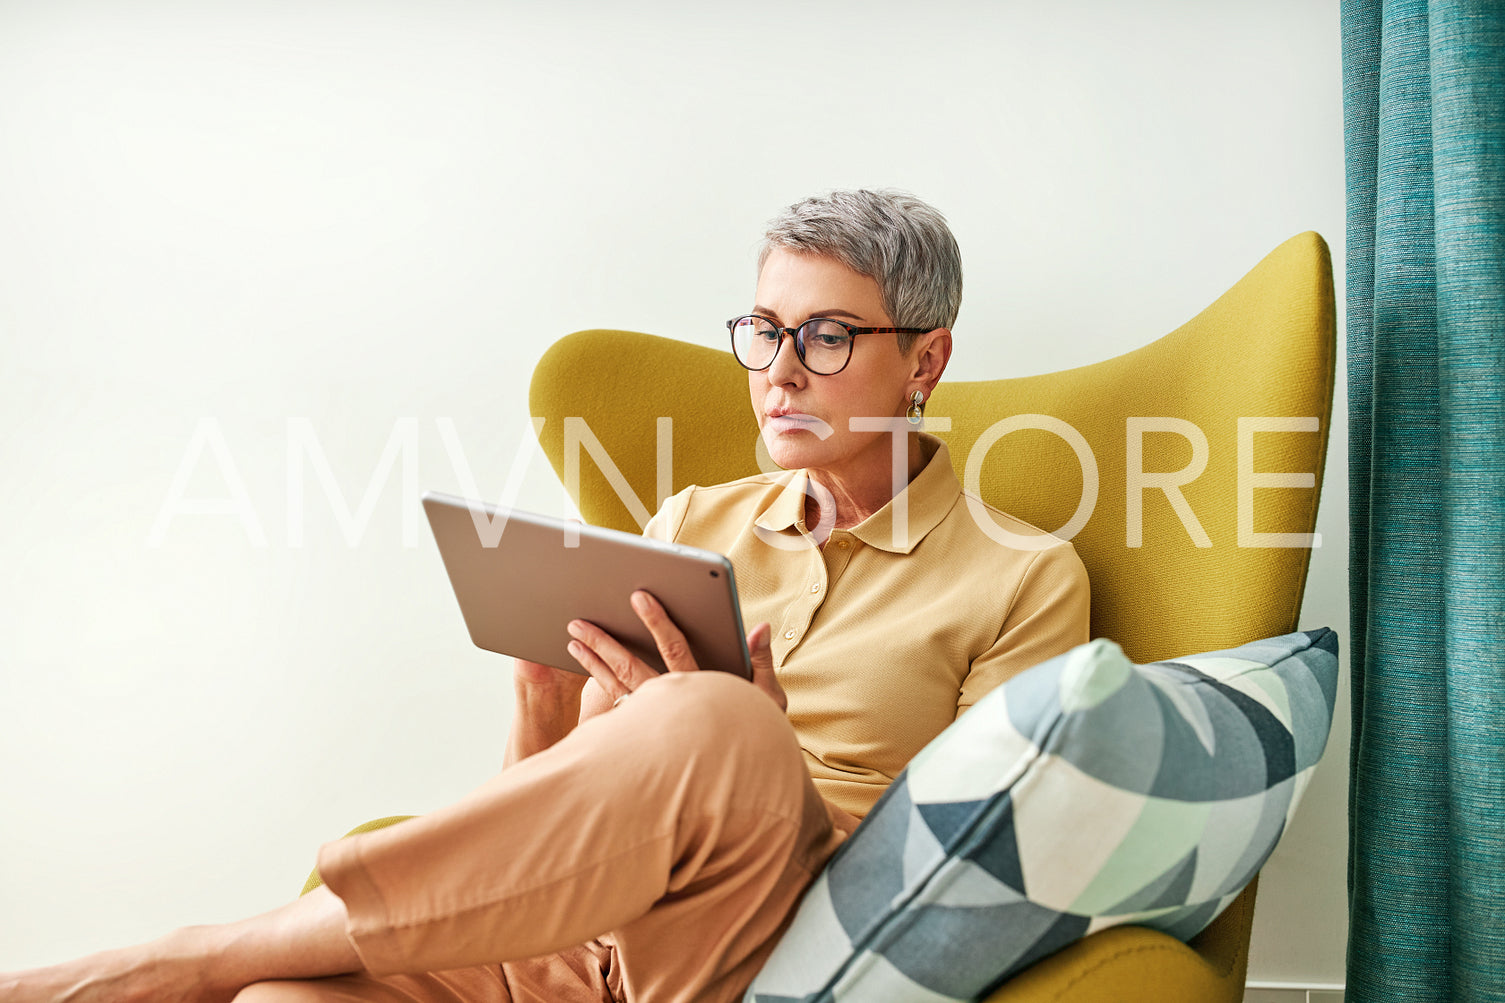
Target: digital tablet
{"x": 521, "y": 578}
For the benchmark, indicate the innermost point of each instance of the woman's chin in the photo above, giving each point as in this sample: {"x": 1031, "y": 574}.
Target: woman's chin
{"x": 789, "y": 452}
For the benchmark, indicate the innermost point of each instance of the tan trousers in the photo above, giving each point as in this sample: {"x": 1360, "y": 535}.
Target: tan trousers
{"x": 652, "y": 856}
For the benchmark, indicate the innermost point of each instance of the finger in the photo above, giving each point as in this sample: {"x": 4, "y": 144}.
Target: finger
{"x": 600, "y": 672}
{"x": 625, "y": 667}
{"x": 670, "y": 640}
{"x": 760, "y": 653}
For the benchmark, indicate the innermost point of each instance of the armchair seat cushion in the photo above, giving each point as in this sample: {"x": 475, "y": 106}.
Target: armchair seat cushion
{"x": 1086, "y": 793}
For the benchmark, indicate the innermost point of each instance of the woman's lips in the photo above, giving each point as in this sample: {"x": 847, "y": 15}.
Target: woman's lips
{"x": 793, "y": 421}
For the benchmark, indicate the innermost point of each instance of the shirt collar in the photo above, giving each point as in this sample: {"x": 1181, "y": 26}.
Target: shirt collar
{"x": 926, "y": 499}
{"x": 787, "y": 511}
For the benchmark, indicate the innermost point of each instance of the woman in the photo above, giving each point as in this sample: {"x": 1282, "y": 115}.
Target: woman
{"x": 651, "y": 835}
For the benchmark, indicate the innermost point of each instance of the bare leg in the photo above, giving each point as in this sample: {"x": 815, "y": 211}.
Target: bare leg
{"x": 203, "y": 964}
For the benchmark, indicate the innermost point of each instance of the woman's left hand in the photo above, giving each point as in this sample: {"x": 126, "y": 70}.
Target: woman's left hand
{"x": 617, "y": 671}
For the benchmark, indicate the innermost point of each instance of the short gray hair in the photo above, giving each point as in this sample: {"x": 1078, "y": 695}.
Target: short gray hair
{"x": 888, "y": 235}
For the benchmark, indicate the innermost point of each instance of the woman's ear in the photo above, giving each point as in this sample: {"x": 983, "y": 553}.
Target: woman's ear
{"x": 932, "y": 350}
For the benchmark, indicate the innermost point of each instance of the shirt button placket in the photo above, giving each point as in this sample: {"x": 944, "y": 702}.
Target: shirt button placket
{"x": 813, "y": 599}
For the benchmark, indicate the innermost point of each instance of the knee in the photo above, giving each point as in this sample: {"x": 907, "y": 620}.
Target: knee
{"x": 722, "y": 716}
{"x": 714, "y": 707}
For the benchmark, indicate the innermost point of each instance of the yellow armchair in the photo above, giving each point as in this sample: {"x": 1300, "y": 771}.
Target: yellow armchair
{"x": 1188, "y": 470}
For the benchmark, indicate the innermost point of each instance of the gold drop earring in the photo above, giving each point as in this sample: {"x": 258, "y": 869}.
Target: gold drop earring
{"x": 916, "y": 412}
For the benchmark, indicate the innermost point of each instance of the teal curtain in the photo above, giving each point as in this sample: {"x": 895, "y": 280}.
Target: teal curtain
{"x": 1424, "y": 124}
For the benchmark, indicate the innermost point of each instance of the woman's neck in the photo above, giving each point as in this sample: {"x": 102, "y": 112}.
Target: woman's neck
{"x": 852, "y": 497}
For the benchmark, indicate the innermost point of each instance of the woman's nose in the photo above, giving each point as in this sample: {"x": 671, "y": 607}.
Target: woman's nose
{"x": 786, "y": 366}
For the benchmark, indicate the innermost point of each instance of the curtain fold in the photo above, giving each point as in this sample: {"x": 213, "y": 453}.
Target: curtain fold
{"x": 1424, "y": 134}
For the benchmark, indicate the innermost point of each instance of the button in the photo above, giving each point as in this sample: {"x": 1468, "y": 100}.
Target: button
{"x": 815, "y": 588}
{"x": 844, "y": 544}
{"x": 788, "y": 635}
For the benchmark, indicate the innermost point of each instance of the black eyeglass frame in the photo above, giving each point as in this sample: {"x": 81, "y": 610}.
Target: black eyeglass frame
{"x": 799, "y": 343}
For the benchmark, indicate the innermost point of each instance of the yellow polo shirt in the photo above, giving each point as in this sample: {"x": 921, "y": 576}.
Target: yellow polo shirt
{"x": 893, "y": 628}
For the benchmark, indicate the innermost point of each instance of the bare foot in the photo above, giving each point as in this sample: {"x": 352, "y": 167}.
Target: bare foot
{"x": 169, "y": 970}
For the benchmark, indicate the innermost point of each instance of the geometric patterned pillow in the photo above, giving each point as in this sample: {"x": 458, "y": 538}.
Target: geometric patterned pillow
{"x": 1086, "y": 793}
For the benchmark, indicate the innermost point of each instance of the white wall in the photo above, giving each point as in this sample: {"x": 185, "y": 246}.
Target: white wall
{"x": 375, "y": 215}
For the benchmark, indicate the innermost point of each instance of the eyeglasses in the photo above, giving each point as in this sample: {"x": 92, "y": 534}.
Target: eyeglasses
{"x": 824, "y": 346}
